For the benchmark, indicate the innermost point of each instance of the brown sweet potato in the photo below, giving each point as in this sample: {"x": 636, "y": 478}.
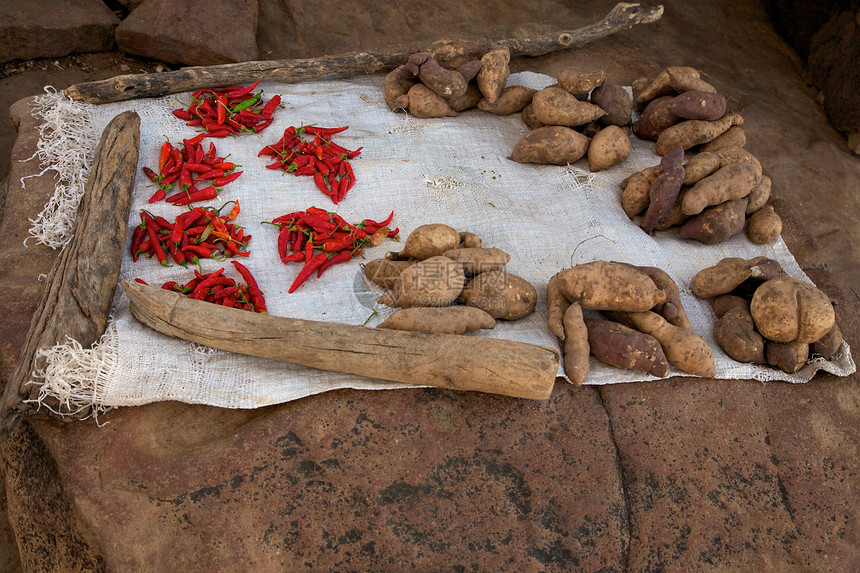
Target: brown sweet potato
{"x": 605, "y": 285}
{"x": 674, "y": 217}
{"x": 716, "y": 224}
{"x": 693, "y": 132}
{"x": 731, "y": 182}
{"x": 444, "y": 320}
{"x": 733, "y": 137}
{"x": 685, "y": 79}
{"x": 615, "y": 101}
{"x": 469, "y": 70}
{"x": 553, "y": 144}
{"x": 764, "y": 226}
{"x": 707, "y": 106}
{"x": 384, "y": 272}
{"x": 617, "y": 345}
{"x": 652, "y": 89}
{"x": 673, "y": 309}
{"x": 576, "y": 349}
{"x": 511, "y": 100}
{"x": 396, "y": 89}
{"x": 608, "y": 148}
{"x": 479, "y": 260}
{"x": 500, "y": 294}
{"x": 735, "y": 332}
{"x": 786, "y": 309}
{"x": 759, "y": 195}
{"x": 469, "y": 240}
{"x": 730, "y": 273}
{"x": 530, "y": 119}
{"x": 636, "y": 190}
{"x": 655, "y": 119}
{"x": 454, "y": 52}
{"x": 683, "y": 347}
{"x": 444, "y": 82}
{"x": 429, "y": 241}
{"x": 829, "y": 344}
{"x": 665, "y": 189}
{"x": 730, "y": 155}
{"x": 579, "y": 82}
{"x": 468, "y": 100}
{"x": 556, "y": 306}
{"x": 425, "y": 103}
{"x": 789, "y": 356}
{"x": 494, "y": 73}
{"x": 436, "y": 281}
{"x": 726, "y": 302}
{"x": 555, "y": 106}
{"x": 700, "y": 166}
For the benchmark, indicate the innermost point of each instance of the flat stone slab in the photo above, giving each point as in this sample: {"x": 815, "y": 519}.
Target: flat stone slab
{"x": 178, "y": 32}
{"x": 54, "y": 28}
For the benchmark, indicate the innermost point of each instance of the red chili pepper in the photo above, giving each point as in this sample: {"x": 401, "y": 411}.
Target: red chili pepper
{"x": 141, "y": 281}
{"x": 257, "y": 298}
{"x": 158, "y": 195}
{"x": 195, "y": 140}
{"x": 211, "y": 174}
{"x": 218, "y": 133}
{"x": 340, "y": 257}
{"x": 136, "y": 239}
{"x": 271, "y": 105}
{"x": 182, "y": 114}
{"x": 312, "y": 265}
{"x": 166, "y": 149}
{"x": 240, "y": 92}
{"x": 222, "y": 181}
{"x": 204, "y": 252}
{"x": 342, "y": 188}
{"x": 153, "y": 176}
{"x": 151, "y": 230}
{"x": 222, "y": 109}
{"x": 204, "y": 194}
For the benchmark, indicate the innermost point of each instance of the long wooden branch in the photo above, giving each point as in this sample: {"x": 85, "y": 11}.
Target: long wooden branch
{"x": 622, "y": 17}
{"x": 442, "y": 360}
{"x": 79, "y": 290}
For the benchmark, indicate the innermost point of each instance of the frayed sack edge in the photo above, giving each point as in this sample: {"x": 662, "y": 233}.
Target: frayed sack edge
{"x": 67, "y": 143}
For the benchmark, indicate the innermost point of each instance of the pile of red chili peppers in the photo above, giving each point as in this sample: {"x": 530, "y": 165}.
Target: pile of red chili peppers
{"x": 229, "y": 111}
{"x": 320, "y": 239}
{"x": 319, "y": 157}
{"x": 219, "y": 289}
{"x": 201, "y": 232}
{"x": 200, "y": 174}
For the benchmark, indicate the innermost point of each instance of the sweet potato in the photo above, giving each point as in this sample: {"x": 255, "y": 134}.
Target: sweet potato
{"x": 425, "y": 103}
{"x": 608, "y": 148}
{"x": 728, "y": 302}
{"x": 617, "y": 345}
{"x": 511, "y": 100}
{"x": 469, "y": 70}
{"x": 553, "y": 144}
{"x": 731, "y": 182}
{"x": 615, "y": 101}
{"x": 479, "y": 260}
{"x": 730, "y": 273}
{"x": 733, "y": 137}
{"x": 429, "y": 241}
{"x": 555, "y": 106}
{"x": 468, "y": 100}
{"x": 707, "y": 106}
{"x": 786, "y": 309}
{"x": 469, "y": 240}
{"x": 500, "y": 294}
{"x": 530, "y": 119}
{"x": 735, "y": 332}
{"x": 730, "y": 155}
{"x": 759, "y": 195}
{"x": 396, "y": 89}
{"x": 383, "y": 272}
{"x": 652, "y": 89}
{"x": 579, "y": 82}
{"x": 665, "y": 189}
{"x": 829, "y": 344}
{"x": 444, "y": 320}
{"x": 700, "y": 166}
{"x": 683, "y": 347}
{"x": 655, "y": 119}
{"x": 673, "y": 309}
{"x": 436, "y": 281}
{"x": 716, "y": 224}
{"x": 556, "y": 306}
{"x": 674, "y": 217}
{"x": 684, "y": 79}
{"x": 444, "y": 82}
{"x": 575, "y": 350}
{"x": 764, "y": 225}
{"x": 693, "y": 132}
{"x": 789, "y": 356}
{"x": 604, "y": 285}
{"x": 453, "y": 53}
{"x": 494, "y": 73}
{"x": 636, "y": 190}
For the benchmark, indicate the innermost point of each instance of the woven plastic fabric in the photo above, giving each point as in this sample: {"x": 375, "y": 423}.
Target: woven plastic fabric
{"x": 451, "y": 170}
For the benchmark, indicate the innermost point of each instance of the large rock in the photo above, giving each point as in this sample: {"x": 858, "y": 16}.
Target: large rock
{"x": 54, "y": 28}
{"x": 179, "y": 32}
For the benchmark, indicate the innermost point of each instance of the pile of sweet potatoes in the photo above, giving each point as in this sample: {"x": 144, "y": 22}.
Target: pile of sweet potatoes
{"x": 707, "y": 185}
{"x": 767, "y": 317}
{"x": 447, "y": 282}
{"x": 626, "y": 316}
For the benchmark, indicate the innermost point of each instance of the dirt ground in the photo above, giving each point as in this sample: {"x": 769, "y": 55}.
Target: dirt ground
{"x": 685, "y": 475}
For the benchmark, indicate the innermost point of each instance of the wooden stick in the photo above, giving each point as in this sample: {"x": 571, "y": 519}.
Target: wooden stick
{"x": 80, "y": 288}
{"x": 121, "y": 88}
{"x": 442, "y": 360}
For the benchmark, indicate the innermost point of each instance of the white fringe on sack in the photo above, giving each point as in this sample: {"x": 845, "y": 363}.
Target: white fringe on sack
{"x": 67, "y": 141}
{"x": 76, "y": 376}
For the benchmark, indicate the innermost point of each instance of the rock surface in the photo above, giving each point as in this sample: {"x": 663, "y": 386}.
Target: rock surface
{"x": 52, "y": 28}
{"x": 180, "y": 32}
